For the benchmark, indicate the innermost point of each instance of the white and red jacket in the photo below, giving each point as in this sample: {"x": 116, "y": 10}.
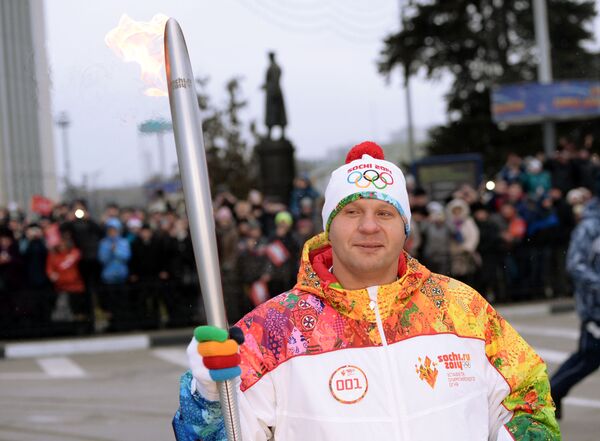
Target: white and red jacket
{"x": 423, "y": 358}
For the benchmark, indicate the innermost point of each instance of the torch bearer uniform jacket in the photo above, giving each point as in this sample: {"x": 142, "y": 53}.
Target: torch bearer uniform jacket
{"x": 423, "y": 358}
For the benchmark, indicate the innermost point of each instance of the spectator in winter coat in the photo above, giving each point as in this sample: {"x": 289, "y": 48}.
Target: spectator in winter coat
{"x": 516, "y": 196}
{"x": 34, "y": 301}
{"x": 86, "y": 234}
{"x": 10, "y": 276}
{"x": 436, "y": 238}
{"x": 464, "y": 259}
{"x": 283, "y": 253}
{"x": 62, "y": 268}
{"x": 144, "y": 267}
{"x": 512, "y": 170}
{"x": 227, "y": 246}
{"x": 134, "y": 225}
{"x": 562, "y": 171}
{"x": 114, "y": 253}
{"x": 490, "y": 250}
{"x": 512, "y": 231}
{"x": 302, "y": 189}
{"x": 559, "y": 279}
{"x": 583, "y": 264}
{"x": 252, "y": 267}
{"x": 184, "y": 306}
{"x": 536, "y": 181}
{"x": 586, "y": 166}
{"x": 542, "y": 229}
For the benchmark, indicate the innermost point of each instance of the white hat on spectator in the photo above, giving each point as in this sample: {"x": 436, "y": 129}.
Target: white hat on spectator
{"x": 134, "y": 223}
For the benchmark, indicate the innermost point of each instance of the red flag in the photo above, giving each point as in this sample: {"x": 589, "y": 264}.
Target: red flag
{"x": 259, "y": 292}
{"x": 41, "y": 205}
{"x": 277, "y": 253}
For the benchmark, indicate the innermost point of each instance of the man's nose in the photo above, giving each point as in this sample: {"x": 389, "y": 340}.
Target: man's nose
{"x": 368, "y": 223}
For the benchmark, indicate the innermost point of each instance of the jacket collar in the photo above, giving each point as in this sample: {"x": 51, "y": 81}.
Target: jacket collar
{"x": 314, "y": 277}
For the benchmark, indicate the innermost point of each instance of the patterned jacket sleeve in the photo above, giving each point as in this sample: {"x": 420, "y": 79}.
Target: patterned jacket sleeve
{"x": 197, "y": 418}
{"x": 521, "y": 408}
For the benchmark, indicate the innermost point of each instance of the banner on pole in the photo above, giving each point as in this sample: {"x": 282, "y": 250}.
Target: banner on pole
{"x": 533, "y": 102}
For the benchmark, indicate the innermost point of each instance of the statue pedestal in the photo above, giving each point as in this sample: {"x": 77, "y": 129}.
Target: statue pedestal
{"x": 277, "y": 168}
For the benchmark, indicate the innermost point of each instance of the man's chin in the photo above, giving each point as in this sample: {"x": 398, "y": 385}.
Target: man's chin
{"x": 364, "y": 267}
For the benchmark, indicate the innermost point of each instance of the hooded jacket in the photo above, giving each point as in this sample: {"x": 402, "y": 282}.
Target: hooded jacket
{"x": 113, "y": 254}
{"x": 422, "y": 358}
{"x": 583, "y": 262}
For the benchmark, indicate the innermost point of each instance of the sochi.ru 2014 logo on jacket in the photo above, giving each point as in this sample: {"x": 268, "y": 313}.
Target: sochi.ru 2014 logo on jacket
{"x": 453, "y": 363}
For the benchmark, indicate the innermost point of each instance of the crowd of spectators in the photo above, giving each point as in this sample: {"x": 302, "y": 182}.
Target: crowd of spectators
{"x": 129, "y": 268}
{"x": 134, "y": 268}
{"x": 509, "y": 238}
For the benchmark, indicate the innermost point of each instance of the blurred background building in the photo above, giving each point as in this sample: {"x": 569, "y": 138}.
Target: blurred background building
{"x": 26, "y": 141}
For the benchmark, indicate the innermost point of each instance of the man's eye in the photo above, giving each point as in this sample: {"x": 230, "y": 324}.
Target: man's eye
{"x": 385, "y": 214}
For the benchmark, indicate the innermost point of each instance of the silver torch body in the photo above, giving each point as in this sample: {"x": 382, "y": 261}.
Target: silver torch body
{"x": 187, "y": 128}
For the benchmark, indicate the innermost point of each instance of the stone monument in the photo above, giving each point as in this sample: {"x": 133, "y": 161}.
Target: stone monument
{"x": 276, "y": 162}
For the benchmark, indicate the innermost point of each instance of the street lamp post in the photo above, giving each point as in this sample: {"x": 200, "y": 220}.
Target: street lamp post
{"x": 542, "y": 38}
{"x": 409, "y": 117}
{"x": 64, "y": 123}
{"x": 158, "y": 127}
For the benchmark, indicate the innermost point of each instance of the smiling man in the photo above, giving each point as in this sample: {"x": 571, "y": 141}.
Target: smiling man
{"x": 369, "y": 238}
{"x": 369, "y": 344}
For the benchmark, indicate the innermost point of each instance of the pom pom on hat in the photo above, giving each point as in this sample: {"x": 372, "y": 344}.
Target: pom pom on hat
{"x": 365, "y": 148}
{"x": 366, "y": 175}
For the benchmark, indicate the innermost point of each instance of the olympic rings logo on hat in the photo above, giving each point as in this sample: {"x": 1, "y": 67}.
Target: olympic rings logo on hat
{"x": 379, "y": 179}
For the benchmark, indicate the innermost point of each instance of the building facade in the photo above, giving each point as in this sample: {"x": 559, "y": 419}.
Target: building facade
{"x": 26, "y": 139}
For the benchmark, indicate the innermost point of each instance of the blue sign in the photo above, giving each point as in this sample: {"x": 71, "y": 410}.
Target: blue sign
{"x": 155, "y": 126}
{"x": 533, "y": 102}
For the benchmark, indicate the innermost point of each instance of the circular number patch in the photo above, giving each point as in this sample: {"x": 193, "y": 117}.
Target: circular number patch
{"x": 348, "y": 384}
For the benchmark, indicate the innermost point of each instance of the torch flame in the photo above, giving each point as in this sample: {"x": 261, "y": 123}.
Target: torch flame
{"x": 142, "y": 42}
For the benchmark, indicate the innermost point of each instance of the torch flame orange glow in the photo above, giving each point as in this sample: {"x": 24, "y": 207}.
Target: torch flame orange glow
{"x": 142, "y": 42}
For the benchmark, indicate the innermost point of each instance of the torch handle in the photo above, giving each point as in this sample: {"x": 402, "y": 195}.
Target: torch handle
{"x": 229, "y": 408}
{"x": 187, "y": 128}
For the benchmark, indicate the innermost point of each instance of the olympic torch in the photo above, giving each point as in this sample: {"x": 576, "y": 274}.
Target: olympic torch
{"x": 187, "y": 127}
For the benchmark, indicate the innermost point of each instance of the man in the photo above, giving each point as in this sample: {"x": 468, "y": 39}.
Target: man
{"x": 583, "y": 264}
{"x": 369, "y": 344}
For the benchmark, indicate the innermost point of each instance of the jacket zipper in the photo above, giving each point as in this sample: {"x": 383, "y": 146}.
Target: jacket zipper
{"x": 372, "y": 290}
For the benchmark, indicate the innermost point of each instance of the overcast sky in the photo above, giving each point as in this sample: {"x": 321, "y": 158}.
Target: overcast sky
{"x": 327, "y": 50}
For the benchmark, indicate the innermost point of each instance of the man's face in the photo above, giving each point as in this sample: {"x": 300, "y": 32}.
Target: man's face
{"x": 146, "y": 234}
{"x": 481, "y": 215}
{"x": 367, "y": 238}
{"x": 507, "y": 211}
{"x": 34, "y": 233}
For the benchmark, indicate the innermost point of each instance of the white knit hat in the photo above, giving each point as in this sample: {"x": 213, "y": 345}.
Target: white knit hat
{"x": 366, "y": 175}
